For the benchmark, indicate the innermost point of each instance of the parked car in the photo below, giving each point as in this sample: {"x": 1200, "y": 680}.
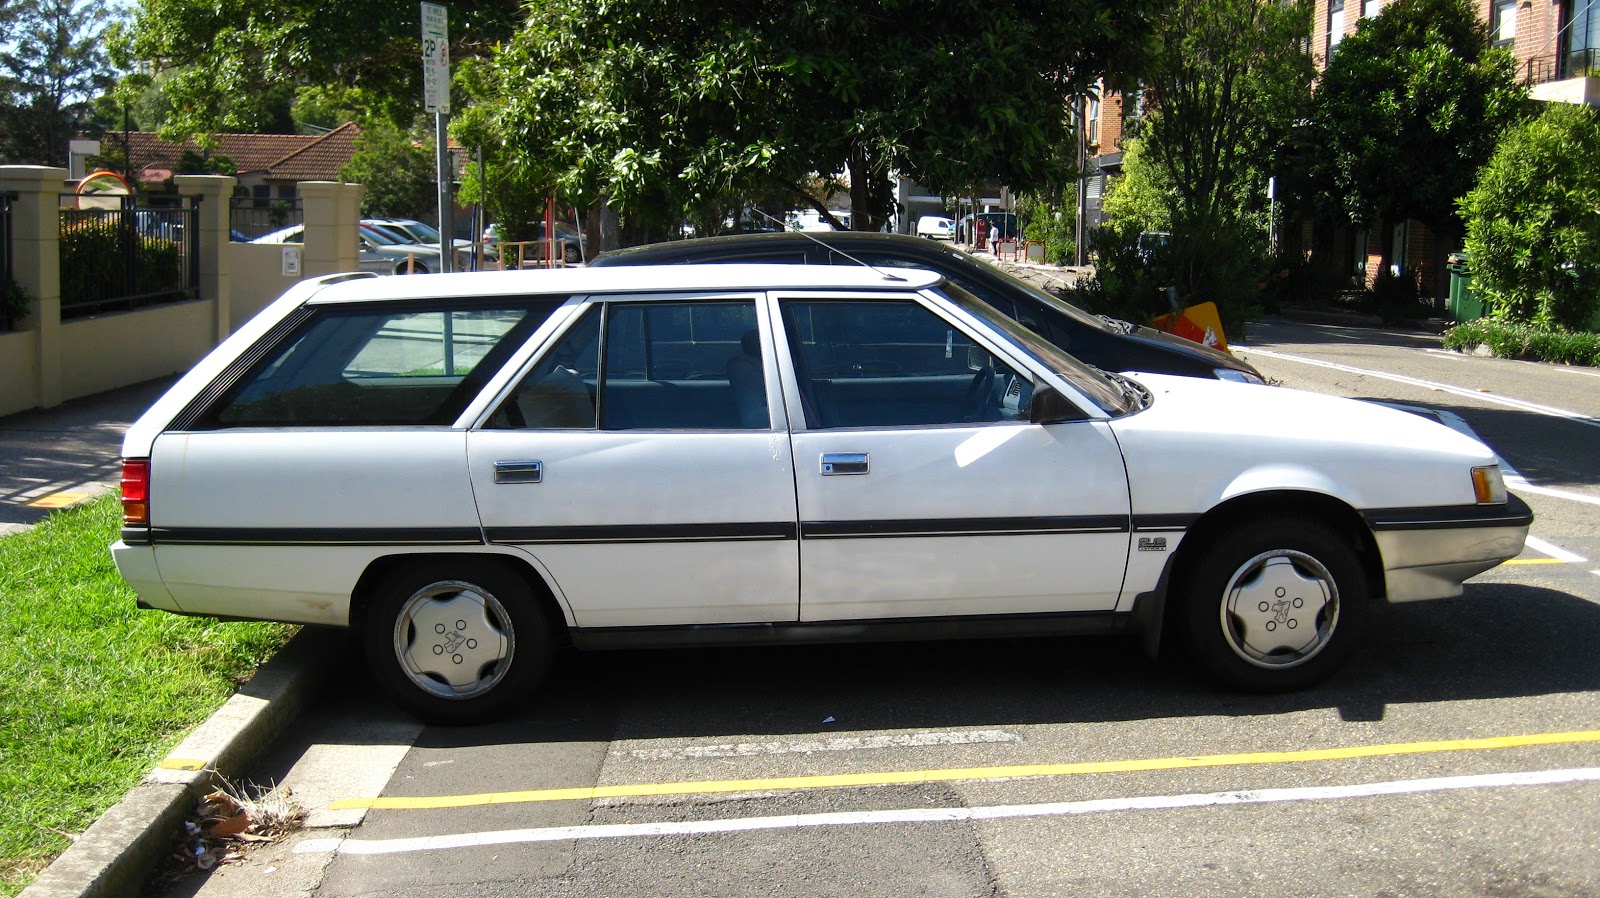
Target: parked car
{"x": 936, "y": 227}
{"x": 409, "y": 230}
{"x": 377, "y": 250}
{"x": 473, "y": 470}
{"x": 1107, "y": 343}
{"x": 574, "y": 246}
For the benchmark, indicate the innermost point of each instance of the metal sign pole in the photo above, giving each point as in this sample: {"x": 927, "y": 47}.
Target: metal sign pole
{"x": 436, "y": 99}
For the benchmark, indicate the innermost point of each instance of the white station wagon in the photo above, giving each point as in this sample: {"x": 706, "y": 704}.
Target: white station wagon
{"x": 473, "y": 470}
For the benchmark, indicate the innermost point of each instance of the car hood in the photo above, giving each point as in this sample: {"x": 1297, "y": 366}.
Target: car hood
{"x": 1220, "y": 358}
{"x": 1204, "y": 441}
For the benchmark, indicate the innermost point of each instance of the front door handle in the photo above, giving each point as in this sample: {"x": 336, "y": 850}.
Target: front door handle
{"x": 846, "y": 463}
{"x": 518, "y": 472}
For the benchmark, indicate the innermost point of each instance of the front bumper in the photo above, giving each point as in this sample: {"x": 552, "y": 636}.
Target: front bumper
{"x": 1427, "y": 553}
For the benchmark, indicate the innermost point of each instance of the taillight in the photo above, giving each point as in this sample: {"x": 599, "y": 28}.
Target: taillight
{"x": 136, "y": 491}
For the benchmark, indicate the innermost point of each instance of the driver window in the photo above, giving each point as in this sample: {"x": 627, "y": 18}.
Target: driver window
{"x": 895, "y": 364}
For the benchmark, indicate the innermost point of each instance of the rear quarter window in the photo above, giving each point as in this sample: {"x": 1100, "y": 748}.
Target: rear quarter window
{"x": 416, "y": 363}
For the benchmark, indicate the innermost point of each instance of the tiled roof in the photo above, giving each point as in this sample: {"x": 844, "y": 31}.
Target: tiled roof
{"x": 294, "y": 157}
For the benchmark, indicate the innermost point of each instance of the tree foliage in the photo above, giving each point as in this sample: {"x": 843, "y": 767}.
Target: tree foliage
{"x": 236, "y": 65}
{"x": 1409, "y": 108}
{"x": 1533, "y": 221}
{"x": 52, "y": 66}
{"x": 399, "y": 170}
{"x": 1226, "y": 80}
{"x": 664, "y": 108}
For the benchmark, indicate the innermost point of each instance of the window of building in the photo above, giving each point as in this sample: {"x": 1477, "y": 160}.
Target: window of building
{"x": 1370, "y": 8}
{"x": 1505, "y": 22}
{"x": 1581, "y": 37}
{"x": 1335, "y": 25}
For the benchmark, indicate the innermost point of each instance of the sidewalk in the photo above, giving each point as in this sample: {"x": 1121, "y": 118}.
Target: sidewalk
{"x": 56, "y": 457}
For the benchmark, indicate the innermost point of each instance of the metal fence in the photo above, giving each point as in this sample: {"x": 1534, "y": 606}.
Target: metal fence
{"x": 251, "y": 217}
{"x": 1576, "y": 64}
{"x": 127, "y": 256}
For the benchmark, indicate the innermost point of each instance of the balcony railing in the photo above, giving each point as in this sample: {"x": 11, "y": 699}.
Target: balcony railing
{"x": 1576, "y": 64}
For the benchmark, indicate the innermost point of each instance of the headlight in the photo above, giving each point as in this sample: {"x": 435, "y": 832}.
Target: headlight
{"x": 1488, "y": 485}
{"x": 1237, "y": 376}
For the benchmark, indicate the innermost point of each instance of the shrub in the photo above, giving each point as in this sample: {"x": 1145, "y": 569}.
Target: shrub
{"x": 93, "y": 264}
{"x": 1533, "y": 221}
{"x": 14, "y": 304}
{"x": 1520, "y": 341}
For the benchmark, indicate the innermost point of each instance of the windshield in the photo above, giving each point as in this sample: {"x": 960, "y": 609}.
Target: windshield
{"x": 382, "y": 237}
{"x": 1110, "y": 393}
{"x": 426, "y": 232}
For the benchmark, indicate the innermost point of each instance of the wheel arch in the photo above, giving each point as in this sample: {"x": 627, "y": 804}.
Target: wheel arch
{"x": 544, "y": 597}
{"x": 1347, "y": 523}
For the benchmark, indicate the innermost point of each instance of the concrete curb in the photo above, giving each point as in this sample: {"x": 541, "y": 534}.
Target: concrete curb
{"x": 115, "y": 855}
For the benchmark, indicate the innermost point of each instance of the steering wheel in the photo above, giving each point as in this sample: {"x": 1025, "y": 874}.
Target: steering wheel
{"x": 978, "y": 394}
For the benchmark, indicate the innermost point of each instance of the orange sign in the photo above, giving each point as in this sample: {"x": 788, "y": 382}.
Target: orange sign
{"x": 1199, "y": 323}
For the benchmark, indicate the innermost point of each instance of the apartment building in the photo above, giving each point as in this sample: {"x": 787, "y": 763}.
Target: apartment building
{"x": 1556, "y": 44}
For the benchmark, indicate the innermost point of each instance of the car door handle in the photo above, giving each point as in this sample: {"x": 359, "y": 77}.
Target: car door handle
{"x": 846, "y": 463}
{"x": 518, "y": 472}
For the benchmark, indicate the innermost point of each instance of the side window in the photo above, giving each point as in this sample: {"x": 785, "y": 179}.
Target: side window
{"x": 386, "y": 366}
{"x": 558, "y": 394}
{"x": 667, "y": 366}
{"x": 895, "y": 364}
{"x": 683, "y": 366}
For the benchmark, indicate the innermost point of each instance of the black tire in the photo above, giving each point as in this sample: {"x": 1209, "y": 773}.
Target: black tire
{"x": 496, "y": 651}
{"x": 572, "y": 254}
{"x": 1274, "y": 605}
{"x": 418, "y": 268}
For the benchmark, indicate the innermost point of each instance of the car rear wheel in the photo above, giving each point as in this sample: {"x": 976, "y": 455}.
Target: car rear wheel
{"x": 456, "y": 643}
{"x": 1274, "y": 605}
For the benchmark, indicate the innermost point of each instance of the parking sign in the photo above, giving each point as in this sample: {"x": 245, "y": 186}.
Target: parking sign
{"x": 435, "y": 58}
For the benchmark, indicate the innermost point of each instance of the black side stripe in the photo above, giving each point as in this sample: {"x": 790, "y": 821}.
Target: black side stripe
{"x": 313, "y": 536}
{"x": 890, "y": 529}
{"x": 645, "y": 533}
{"x": 1163, "y": 522}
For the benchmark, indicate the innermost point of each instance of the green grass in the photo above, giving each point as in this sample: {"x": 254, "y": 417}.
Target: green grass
{"x": 93, "y": 691}
{"x": 1521, "y": 341}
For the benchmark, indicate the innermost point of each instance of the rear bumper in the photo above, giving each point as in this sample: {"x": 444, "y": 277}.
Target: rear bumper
{"x": 137, "y": 565}
{"x": 1428, "y": 553}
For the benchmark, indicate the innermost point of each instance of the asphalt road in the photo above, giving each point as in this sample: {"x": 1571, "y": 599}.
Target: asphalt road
{"x": 1457, "y": 755}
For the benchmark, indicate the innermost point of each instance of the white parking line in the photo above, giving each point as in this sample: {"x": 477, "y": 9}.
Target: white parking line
{"x": 1554, "y": 551}
{"x": 944, "y": 815}
{"x": 1575, "y": 417}
{"x": 809, "y": 746}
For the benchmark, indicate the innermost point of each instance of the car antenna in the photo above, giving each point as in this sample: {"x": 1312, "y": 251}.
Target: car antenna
{"x": 832, "y": 249}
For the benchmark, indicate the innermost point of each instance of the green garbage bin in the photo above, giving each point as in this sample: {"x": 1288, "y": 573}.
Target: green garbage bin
{"x": 1465, "y": 304}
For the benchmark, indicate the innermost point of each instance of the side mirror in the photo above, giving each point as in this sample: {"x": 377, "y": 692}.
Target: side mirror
{"x": 1050, "y": 407}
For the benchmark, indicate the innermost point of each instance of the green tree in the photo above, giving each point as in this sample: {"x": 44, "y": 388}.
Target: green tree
{"x": 1408, "y": 110}
{"x": 662, "y": 108}
{"x": 397, "y": 168}
{"x": 233, "y": 65}
{"x": 1533, "y": 221}
{"x": 52, "y": 67}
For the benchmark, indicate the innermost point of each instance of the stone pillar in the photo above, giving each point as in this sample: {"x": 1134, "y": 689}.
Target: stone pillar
{"x": 35, "y": 242}
{"x": 216, "y": 225}
{"x": 332, "y": 218}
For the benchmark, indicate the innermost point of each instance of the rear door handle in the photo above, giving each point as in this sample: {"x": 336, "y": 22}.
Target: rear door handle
{"x": 518, "y": 472}
{"x": 846, "y": 463}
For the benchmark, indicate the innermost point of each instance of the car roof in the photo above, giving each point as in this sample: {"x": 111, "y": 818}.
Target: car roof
{"x": 687, "y": 250}
{"x": 626, "y": 279}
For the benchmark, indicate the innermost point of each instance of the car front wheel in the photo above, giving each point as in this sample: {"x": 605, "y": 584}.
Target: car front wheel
{"x": 456, "y": 643}
{"x": 1274, "y": 605}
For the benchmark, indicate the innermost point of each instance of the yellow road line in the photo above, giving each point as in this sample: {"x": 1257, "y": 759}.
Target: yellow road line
{"x": 1536, "y": 561}
{"x": 58, "y": 500}
{"x": 902, "y": 777}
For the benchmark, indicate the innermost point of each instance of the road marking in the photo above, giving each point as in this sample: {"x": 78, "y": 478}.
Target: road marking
{"x": 59, "y": 500}
{"x": 1521, "y": 485}
{"x": 1554, "y": 551}
{"x": 840, "y": 743}
{"x": 947, "y": 815}
{"x": 905, "y": 777}
{"x": 1575, "y": 417}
